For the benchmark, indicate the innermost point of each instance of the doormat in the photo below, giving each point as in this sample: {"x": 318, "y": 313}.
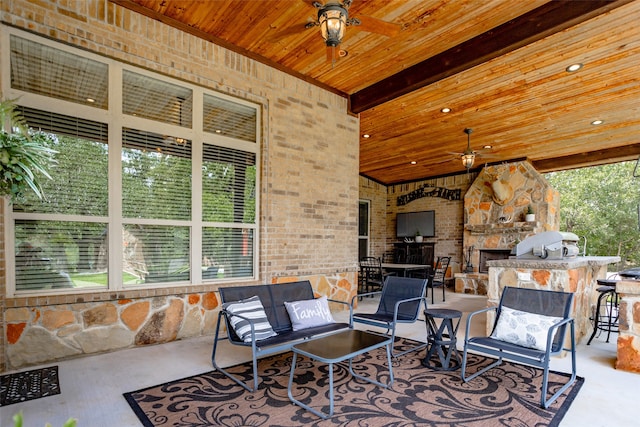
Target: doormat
{"x": 28, "y": 385}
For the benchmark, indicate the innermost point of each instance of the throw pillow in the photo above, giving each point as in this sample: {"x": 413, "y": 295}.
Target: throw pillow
{"x": 251, "y": 308}
{"x": 309, "y": 313}
{"x": 523, "y": 328}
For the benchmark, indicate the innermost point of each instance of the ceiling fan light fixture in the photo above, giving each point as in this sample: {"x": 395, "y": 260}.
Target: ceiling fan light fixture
{"x": 469, "y": 156}
{"x": 468, "y": 159}
{"x": 333, "y": 22}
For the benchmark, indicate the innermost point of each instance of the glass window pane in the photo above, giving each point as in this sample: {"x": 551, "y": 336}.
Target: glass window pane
{"x": 363, "y": 219}
{"x": 228, "y": 185}
{"x": 227, "y": 252}
{"x": 44, "y": 70}
{"x": 156, "y": 176}
{"x": 363, "y": 248}
{"x": 229, "y": 118}
{"x": 156, "y": 254}
{"x": 60, "y": 255}
{"x": 79, "y": 179}
{"x": 156, "y": 100}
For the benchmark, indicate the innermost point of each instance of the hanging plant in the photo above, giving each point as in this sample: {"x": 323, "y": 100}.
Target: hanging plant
{"x": 25, "y": 155}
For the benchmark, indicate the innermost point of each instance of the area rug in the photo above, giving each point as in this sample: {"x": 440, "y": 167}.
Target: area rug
{"x": 507, "y": 395}
{"x": 29, "y": 385}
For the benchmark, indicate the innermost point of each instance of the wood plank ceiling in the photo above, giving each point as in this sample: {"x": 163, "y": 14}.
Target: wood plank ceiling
{"x": 499, "y": 65}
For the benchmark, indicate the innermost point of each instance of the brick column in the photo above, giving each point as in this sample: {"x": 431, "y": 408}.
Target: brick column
{"x": 629, "y": 337}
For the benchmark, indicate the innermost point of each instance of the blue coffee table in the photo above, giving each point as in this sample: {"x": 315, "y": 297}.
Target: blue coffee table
{"x": 336, "y": 348}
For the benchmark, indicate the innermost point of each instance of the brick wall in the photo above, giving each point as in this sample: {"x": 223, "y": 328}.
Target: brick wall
{"x": 309, "y": 180}
{"x": 448, "y": 213}
{"x": 376, "y": 194}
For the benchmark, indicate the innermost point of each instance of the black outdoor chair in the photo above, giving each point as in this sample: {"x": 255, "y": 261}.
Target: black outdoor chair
{"x": 371, "y": 275}
{"x": 536, "y": 302}
{"x": 400, "y": 301}
{"x": 439, "y": 276}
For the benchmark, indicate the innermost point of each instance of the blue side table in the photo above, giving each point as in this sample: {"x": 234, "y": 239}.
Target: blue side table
{"x": 441, "y": 339}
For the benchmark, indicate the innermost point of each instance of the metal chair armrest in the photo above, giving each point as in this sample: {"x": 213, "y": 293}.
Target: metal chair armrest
{"x": 405, "y": 301}
{"x": 470, "y": 317}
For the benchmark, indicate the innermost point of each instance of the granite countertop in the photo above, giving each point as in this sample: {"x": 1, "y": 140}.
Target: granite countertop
{"x": 559, "y": 264}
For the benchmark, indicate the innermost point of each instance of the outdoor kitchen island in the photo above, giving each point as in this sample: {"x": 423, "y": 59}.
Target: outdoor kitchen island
{"x": 578, "y": 275}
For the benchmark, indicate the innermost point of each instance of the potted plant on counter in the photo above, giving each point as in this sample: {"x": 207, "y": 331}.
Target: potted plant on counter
{"x": 530, "y": 216}
{"x": 418, "y": 237}
{"x": 25, "y": 155}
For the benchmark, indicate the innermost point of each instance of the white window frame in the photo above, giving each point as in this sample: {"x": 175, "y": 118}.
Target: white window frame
{"x": 116, "y": 122}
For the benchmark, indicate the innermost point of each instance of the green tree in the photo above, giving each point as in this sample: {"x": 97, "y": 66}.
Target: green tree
{"x": 601, "y": 204}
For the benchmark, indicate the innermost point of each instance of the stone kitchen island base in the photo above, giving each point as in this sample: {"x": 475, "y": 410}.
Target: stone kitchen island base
{"x": 629, "y": 337}
{"x": 577, "y": 275}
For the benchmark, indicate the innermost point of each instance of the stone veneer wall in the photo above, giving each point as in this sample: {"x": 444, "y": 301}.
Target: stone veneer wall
{"x": 309, "y": 188}
{"x": 524, "y": 186}
{"x": 448, "y": 213}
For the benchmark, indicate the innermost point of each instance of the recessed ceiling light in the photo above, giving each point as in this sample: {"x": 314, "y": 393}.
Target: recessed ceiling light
{"x": 573, "y": 68}
{"x": 91, "y": 100}
{"x": 366, "y": 135}
{"x": 488, "y": 147}
{"x": 413, "y": 162}
{"x": 446, "y": 110}
{"x": 597, "y": 122}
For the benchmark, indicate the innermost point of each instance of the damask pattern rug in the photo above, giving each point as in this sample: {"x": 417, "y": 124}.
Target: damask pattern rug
{"x": 28, "y": 385}
{"x": 508, "y": 395}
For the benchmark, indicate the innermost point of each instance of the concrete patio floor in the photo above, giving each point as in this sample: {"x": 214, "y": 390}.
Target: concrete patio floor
{"x": 92, "y": 386}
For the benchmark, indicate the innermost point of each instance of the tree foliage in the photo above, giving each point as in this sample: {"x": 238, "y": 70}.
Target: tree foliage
{"x": 601, "y": 204}
{"x": 25, "y": 155}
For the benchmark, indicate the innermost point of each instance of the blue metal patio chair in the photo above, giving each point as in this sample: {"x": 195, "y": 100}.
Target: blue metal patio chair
{"x": 533, "y": 303}
{"x": 400, "y": 301}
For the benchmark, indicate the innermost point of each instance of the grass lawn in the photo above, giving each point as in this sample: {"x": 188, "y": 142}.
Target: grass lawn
{"x": 82, "y": 280}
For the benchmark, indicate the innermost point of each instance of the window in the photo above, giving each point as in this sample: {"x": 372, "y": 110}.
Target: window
{"x": 363, "y": 228}
{"x": 139, "y": 195}
{"x": 228, "y": 198}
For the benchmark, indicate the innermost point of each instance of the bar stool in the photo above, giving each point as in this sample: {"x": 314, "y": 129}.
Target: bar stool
{"x": 441, "y": 339}
{"x": 605, "y": 318}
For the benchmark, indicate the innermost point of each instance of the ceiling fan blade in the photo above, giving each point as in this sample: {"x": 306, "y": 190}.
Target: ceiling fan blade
{"x": 311, "y": 2}
{"x": 293, "y": 30}
{"x": 331, "y": 54}
{"x": 378, "y": 26}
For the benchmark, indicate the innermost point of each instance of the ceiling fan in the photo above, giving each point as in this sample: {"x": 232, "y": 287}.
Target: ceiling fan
{"x": 333, "y": 20}
{"x": 468, "y": 156}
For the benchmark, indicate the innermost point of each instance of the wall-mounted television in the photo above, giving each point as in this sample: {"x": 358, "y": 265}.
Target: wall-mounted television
{"x": 408, "y": 223}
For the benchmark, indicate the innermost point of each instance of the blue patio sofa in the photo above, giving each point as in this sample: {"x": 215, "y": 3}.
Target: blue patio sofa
{"x": 273, "y": 297}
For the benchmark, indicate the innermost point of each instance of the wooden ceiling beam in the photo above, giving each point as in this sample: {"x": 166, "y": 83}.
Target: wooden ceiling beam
{"x": 541, "y": 22}
{"x": 590, "y": 158}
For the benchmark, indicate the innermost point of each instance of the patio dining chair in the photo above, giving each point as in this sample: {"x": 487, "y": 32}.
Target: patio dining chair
{"x": 530, "y": 327}
{"x": 400, "y": 302}
{"x": 439, "y": 276}
{"x": 371, "y": 275}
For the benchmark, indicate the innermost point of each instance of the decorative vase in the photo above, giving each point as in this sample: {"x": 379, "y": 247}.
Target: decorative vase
{"x": 530, "y": 217}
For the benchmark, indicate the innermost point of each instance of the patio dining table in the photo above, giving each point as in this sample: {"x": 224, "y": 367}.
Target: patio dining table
{"x": 404, "y": 269}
